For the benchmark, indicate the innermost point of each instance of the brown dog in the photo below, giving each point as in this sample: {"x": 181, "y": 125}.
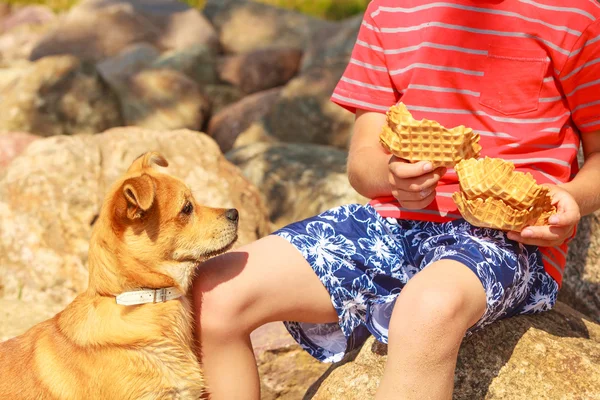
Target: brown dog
{"x": 116, "y": 341}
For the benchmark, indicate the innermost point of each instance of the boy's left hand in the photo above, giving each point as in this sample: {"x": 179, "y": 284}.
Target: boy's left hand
{"x": 560, "y": 225}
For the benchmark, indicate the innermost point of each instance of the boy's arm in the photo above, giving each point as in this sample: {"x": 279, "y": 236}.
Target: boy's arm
{"x": 581, "y": 196}
{"x": 585, "y": 186}
{"x": 373, "y": 172}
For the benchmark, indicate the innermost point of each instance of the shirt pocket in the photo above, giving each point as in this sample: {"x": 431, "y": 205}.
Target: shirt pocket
{"x": 512, "y": 79}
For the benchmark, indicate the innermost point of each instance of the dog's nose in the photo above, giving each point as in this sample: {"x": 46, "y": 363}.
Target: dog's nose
{"x": 232, "y": 214}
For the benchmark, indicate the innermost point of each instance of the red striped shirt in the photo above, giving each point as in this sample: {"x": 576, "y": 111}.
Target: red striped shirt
{"x": 523, "y": 74}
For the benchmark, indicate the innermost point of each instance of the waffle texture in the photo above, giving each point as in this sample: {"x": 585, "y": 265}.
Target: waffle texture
{"x": 427, "y": 140}
{"x": 492, "y": 194}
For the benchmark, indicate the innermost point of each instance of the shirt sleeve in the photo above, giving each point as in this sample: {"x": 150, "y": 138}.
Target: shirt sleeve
{"x": 580, "y": 79}
{"x": 366, "y": 83}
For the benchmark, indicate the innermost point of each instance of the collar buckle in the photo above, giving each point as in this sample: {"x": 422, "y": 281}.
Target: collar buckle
{"x": 161, "y": 294}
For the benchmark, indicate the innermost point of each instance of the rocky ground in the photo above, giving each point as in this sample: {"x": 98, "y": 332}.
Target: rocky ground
{"x": 236, "y": 97}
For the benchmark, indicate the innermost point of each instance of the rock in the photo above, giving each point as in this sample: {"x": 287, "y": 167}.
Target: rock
{"x": 29, "y": 15}
{"x": 287, "y": 373}
{"x": 196, "y": 61}
{"x": 221, "y": 96}
{"x": 162, "y": 99}
{"x": 186, "y": 29}
{"x": 305, "y": 113}
{"x": 131, "y": 60}
{"x": 245, "y": 26}
{"x": 12, "y": 144}
{"x": 581, "y": 281}
{"x": 98, "y": 29}
{"x": 298, "y": 180}
{"x": 9, "y": 76}
{"x": 555, "y": 355}
{"x": 51, "y": 194}
{"x": 17, "y": 44}
{"x": 256, "y": 133}
{"x": 5, "y": 10}
{"x": 332, "y": 46}
{"x": 94, "y": 34}
{"x": 59, "y": 96}
{"x": 261, "y": 69}
{"x": 225, "y": 126}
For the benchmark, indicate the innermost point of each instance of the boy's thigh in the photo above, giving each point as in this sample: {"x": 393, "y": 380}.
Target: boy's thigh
{"x": 264, "y": 281}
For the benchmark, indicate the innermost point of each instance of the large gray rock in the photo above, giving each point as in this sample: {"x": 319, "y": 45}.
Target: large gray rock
{"x": 305, "y": 113}
{"x": 226, "y": 125}
{"x": 332, "y": 46}
{"x": 198, "y": 62}
{"x": 50, "y": 196}
{"x": 261, "y": 69}
{"x": 58, "y": 96}
{"x": 555, "y": 355}
{"x": 245, "y": 26}
{"x": 296, "y": 180}
{"x": 162, "y": 99}
{"x": 98, "y": 29}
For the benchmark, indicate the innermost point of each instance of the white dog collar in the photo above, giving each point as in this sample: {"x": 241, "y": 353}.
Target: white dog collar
{"x": 144, "y": 296}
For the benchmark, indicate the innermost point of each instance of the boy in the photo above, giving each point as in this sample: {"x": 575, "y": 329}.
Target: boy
{"x": 405, "y": 267}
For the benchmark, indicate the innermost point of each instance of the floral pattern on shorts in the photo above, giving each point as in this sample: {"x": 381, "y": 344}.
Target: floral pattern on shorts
{"x": 364, "y": 261}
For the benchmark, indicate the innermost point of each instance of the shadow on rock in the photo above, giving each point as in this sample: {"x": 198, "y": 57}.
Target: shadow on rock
{"x": 523, "y": 357}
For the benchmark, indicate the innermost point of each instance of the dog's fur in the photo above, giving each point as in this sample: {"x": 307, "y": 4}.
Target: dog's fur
{"x": 150, "y": 234}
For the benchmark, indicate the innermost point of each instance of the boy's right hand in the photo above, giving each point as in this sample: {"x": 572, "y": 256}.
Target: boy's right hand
{"x": 413, "y": 185}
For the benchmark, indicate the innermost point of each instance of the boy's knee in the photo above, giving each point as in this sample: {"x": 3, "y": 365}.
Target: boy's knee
{"x": 431, "y": 306}
{"x": 440, "y": 305}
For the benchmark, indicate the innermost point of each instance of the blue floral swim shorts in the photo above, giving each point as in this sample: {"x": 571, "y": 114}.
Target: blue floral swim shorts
{"x": 364, "y": 261}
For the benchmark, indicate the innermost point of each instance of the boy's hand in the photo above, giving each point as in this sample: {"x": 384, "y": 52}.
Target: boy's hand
{"x": 413, "y": 185}
{"x": 561, "y": 225}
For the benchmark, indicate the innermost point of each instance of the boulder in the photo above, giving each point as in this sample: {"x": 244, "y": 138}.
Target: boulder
{"x": 555, "y": 355}
{"x": 97, "y": 29}
{"x": 197, "y": 61}
{"x": 12, "y": 144}
{"x": 332, "y": 46}
{"x": 221, "y": 96}
{"x": 261, "y": 69}
{"x": 28, "y": 15}
{"x": 581, "y": 281}
{"x": 304, "y": 112}
{"x": 51, "y": 194}
{"x": 296, "y": 180}
{"x": 229, "y": 123}
{"x": 162, "y": 99}
{"x": 244, "y": 26}
{"x": 118, "y": 69}
{"x": 16, "y": 45}
{"x": 59, "y": 96}
{"x": 286, "y": 371}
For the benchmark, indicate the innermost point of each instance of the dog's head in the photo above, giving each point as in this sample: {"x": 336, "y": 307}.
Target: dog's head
{"x": 151, "y": 232}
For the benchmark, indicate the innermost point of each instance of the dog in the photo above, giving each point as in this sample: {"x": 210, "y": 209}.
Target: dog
{"x": 130, "y": 334}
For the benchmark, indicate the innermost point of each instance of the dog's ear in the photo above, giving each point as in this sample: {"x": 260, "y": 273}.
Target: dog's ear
{"x": 139, "y": 193}
{"x": 148, "y": 160}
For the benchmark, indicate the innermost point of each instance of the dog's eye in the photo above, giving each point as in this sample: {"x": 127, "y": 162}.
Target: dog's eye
{"x": 187, "y": 208}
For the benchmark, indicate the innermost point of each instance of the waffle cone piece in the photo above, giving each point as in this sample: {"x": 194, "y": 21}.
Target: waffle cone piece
{"x": 493, "y": 195}
{"x": 427, "y": 140}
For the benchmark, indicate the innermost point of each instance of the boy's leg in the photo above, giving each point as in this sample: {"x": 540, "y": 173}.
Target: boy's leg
{"x": 430, "y": 318}
{"x": 268, "y": 280}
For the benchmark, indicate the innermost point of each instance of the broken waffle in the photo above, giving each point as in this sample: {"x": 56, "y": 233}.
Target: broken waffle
{"x": 427, "y": 140}
{"x": 493, "y": 195}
